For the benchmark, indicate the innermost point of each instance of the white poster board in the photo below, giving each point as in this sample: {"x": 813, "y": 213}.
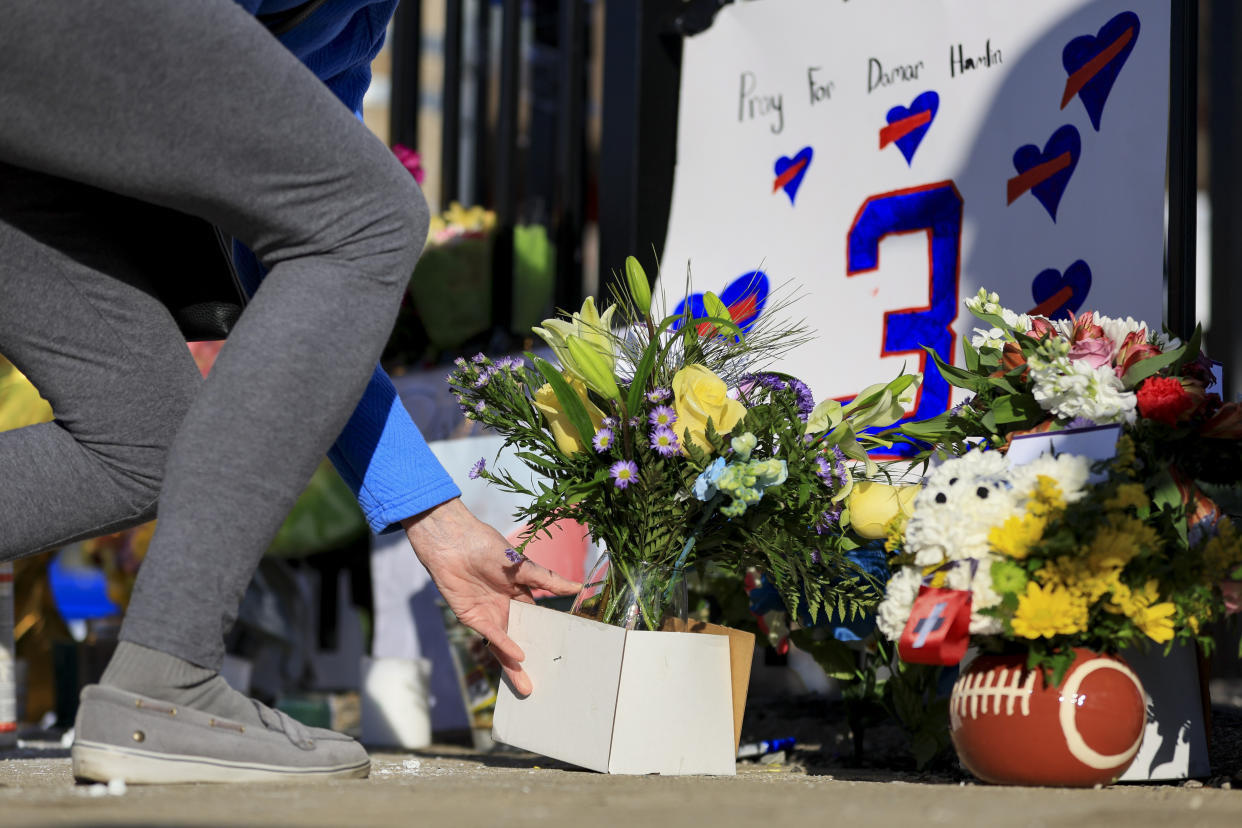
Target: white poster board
{"x": 883, "y": 159}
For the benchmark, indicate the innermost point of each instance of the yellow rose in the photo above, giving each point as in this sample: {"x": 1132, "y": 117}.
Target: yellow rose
{"x": 698, "y": 394}
{"x": 567, "y": 437}
{"x": 873, "y": 506}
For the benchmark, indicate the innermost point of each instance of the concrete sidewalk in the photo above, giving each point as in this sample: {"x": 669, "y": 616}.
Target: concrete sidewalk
{"x": 454, "y": 787}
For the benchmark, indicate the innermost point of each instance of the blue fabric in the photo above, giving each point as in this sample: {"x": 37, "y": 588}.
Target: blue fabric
{"x": 381, "y": 455}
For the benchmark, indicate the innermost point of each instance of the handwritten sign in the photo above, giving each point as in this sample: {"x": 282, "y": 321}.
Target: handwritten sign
{"x": 883, "y": 159}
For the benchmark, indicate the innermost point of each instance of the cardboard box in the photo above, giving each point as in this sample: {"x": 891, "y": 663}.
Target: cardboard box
{"x": 626, "y": 701}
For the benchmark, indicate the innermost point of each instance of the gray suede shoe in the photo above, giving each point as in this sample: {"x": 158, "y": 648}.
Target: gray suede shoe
{"x": 121, "y": 735}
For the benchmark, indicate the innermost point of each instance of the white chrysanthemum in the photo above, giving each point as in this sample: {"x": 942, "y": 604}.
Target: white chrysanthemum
{"x": 982, "y": 596}
{"x": 894, "y": 610}
{"x": 1070, "y": 471}
{"x": 960, "y": 501}
{"x": 1068, "y": 389}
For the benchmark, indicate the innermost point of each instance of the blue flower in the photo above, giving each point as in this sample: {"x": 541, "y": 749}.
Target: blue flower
{"x": 705, "y": 483}
{"x": 477, "y": 469}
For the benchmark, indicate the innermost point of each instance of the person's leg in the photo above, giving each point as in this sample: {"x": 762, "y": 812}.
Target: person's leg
{"x": 194, "y": 106}
{"x": 77, "y": 317}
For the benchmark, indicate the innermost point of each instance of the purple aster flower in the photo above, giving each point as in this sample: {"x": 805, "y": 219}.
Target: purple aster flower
{"x": 823, "y": 469}
{"x": 479, "y": 358}
{"x": 662, "y": 415}
{"x": 766, "y": 380}
{"x": 1080, "y": 422}
{"x": 460, "y": 362}
{"x": 635, "y": 421}
{"x": 805, "y": 400}
{"x": 816, "y": 558}
{"x": 602, "y": 440}
{"x": 514, "y": 556}
{"x": 517, "y": 363}
{"x": 608, "y": 422}
{"x": 664, "y": 441}
{"x": 659, "y": 395}
{"x": 483, "y": 379}
{"x": 623, "y": 472}
{"x": 477, "y": 468}
{"x": 828, "y": 520}
{"x": 481, "y": 407}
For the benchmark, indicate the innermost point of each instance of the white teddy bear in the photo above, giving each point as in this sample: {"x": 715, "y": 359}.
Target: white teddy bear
{"x": 961, "y": 502}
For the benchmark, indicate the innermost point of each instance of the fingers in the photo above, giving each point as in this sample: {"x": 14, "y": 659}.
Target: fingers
{"x": 531, "y": 574}
{"x": 510, "y": 656}
{"x": 503, "y": 647}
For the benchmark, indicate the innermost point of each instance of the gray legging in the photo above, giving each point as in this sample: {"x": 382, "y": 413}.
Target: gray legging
{"x": 109, "y": 109}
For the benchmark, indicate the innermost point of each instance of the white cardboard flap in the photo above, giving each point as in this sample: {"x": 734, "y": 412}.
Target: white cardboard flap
{"x": 575, "y": 667}
{"x": 1094, "y": 443}
{"x": 674, "y": 706}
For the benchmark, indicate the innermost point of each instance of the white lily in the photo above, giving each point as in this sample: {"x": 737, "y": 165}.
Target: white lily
{"x": 587, "y": 325}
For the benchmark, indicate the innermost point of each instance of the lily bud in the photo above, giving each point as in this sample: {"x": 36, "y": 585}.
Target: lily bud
{"x": 640, "y": 288}
{"x": 593, "y": 368}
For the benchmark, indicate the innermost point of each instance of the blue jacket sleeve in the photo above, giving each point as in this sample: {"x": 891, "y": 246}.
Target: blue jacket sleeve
{"x": 384, "y": 459}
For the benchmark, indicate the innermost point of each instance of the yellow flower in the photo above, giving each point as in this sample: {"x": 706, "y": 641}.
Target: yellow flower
{"x": 1016, "y": 536}
{"x": 1046, "y": 498}
{"x": 874, "y": 506}
{"x": 1117, "y": 542}
{"x": 1156, "y": 621}
{"x": 1044, "y": 612}
{"x": 1223, "y": 551}
{"x": 567, "y": 437}
{"x": 699, "y": 394}
{"x": 1129, "y": 495}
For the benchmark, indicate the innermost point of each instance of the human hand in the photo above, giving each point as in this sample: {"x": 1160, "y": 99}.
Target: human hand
{"x": 467, "y": 561}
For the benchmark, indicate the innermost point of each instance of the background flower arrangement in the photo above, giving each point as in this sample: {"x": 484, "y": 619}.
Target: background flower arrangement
{"x": 668, "y": 440}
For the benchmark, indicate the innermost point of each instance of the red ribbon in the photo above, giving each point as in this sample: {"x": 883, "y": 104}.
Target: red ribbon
{"x": 938, "y": 629}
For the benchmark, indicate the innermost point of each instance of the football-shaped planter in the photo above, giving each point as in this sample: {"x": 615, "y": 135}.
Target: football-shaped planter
{"x": 1010, "y": 728}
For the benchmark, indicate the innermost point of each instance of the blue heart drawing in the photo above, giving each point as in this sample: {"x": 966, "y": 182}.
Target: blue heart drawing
{"x": 928, "y": 102}
{"x": 1065, "y": 292}
{"x": 1050, "y": 189}
{"x": 745, "y": 297}
{"x": 796, "y": 168}
{"x": 1100, "y": 59}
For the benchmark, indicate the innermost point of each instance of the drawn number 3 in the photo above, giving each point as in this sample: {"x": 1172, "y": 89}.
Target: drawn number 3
{"x": 937, "y": 210}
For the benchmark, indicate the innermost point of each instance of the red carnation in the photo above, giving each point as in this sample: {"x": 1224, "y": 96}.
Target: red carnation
{"x": 1163, "y": 399}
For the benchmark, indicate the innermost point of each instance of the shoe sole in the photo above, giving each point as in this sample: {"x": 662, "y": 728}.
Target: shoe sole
{"x": 97, "y": 762}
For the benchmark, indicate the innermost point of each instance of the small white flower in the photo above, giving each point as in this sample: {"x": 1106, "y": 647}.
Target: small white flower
{"x": 894, "y": 610}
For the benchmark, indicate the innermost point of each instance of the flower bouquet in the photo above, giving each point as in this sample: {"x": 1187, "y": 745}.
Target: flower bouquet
{"x": 1050, "y": 576}
{"x": 667, "y": 438}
